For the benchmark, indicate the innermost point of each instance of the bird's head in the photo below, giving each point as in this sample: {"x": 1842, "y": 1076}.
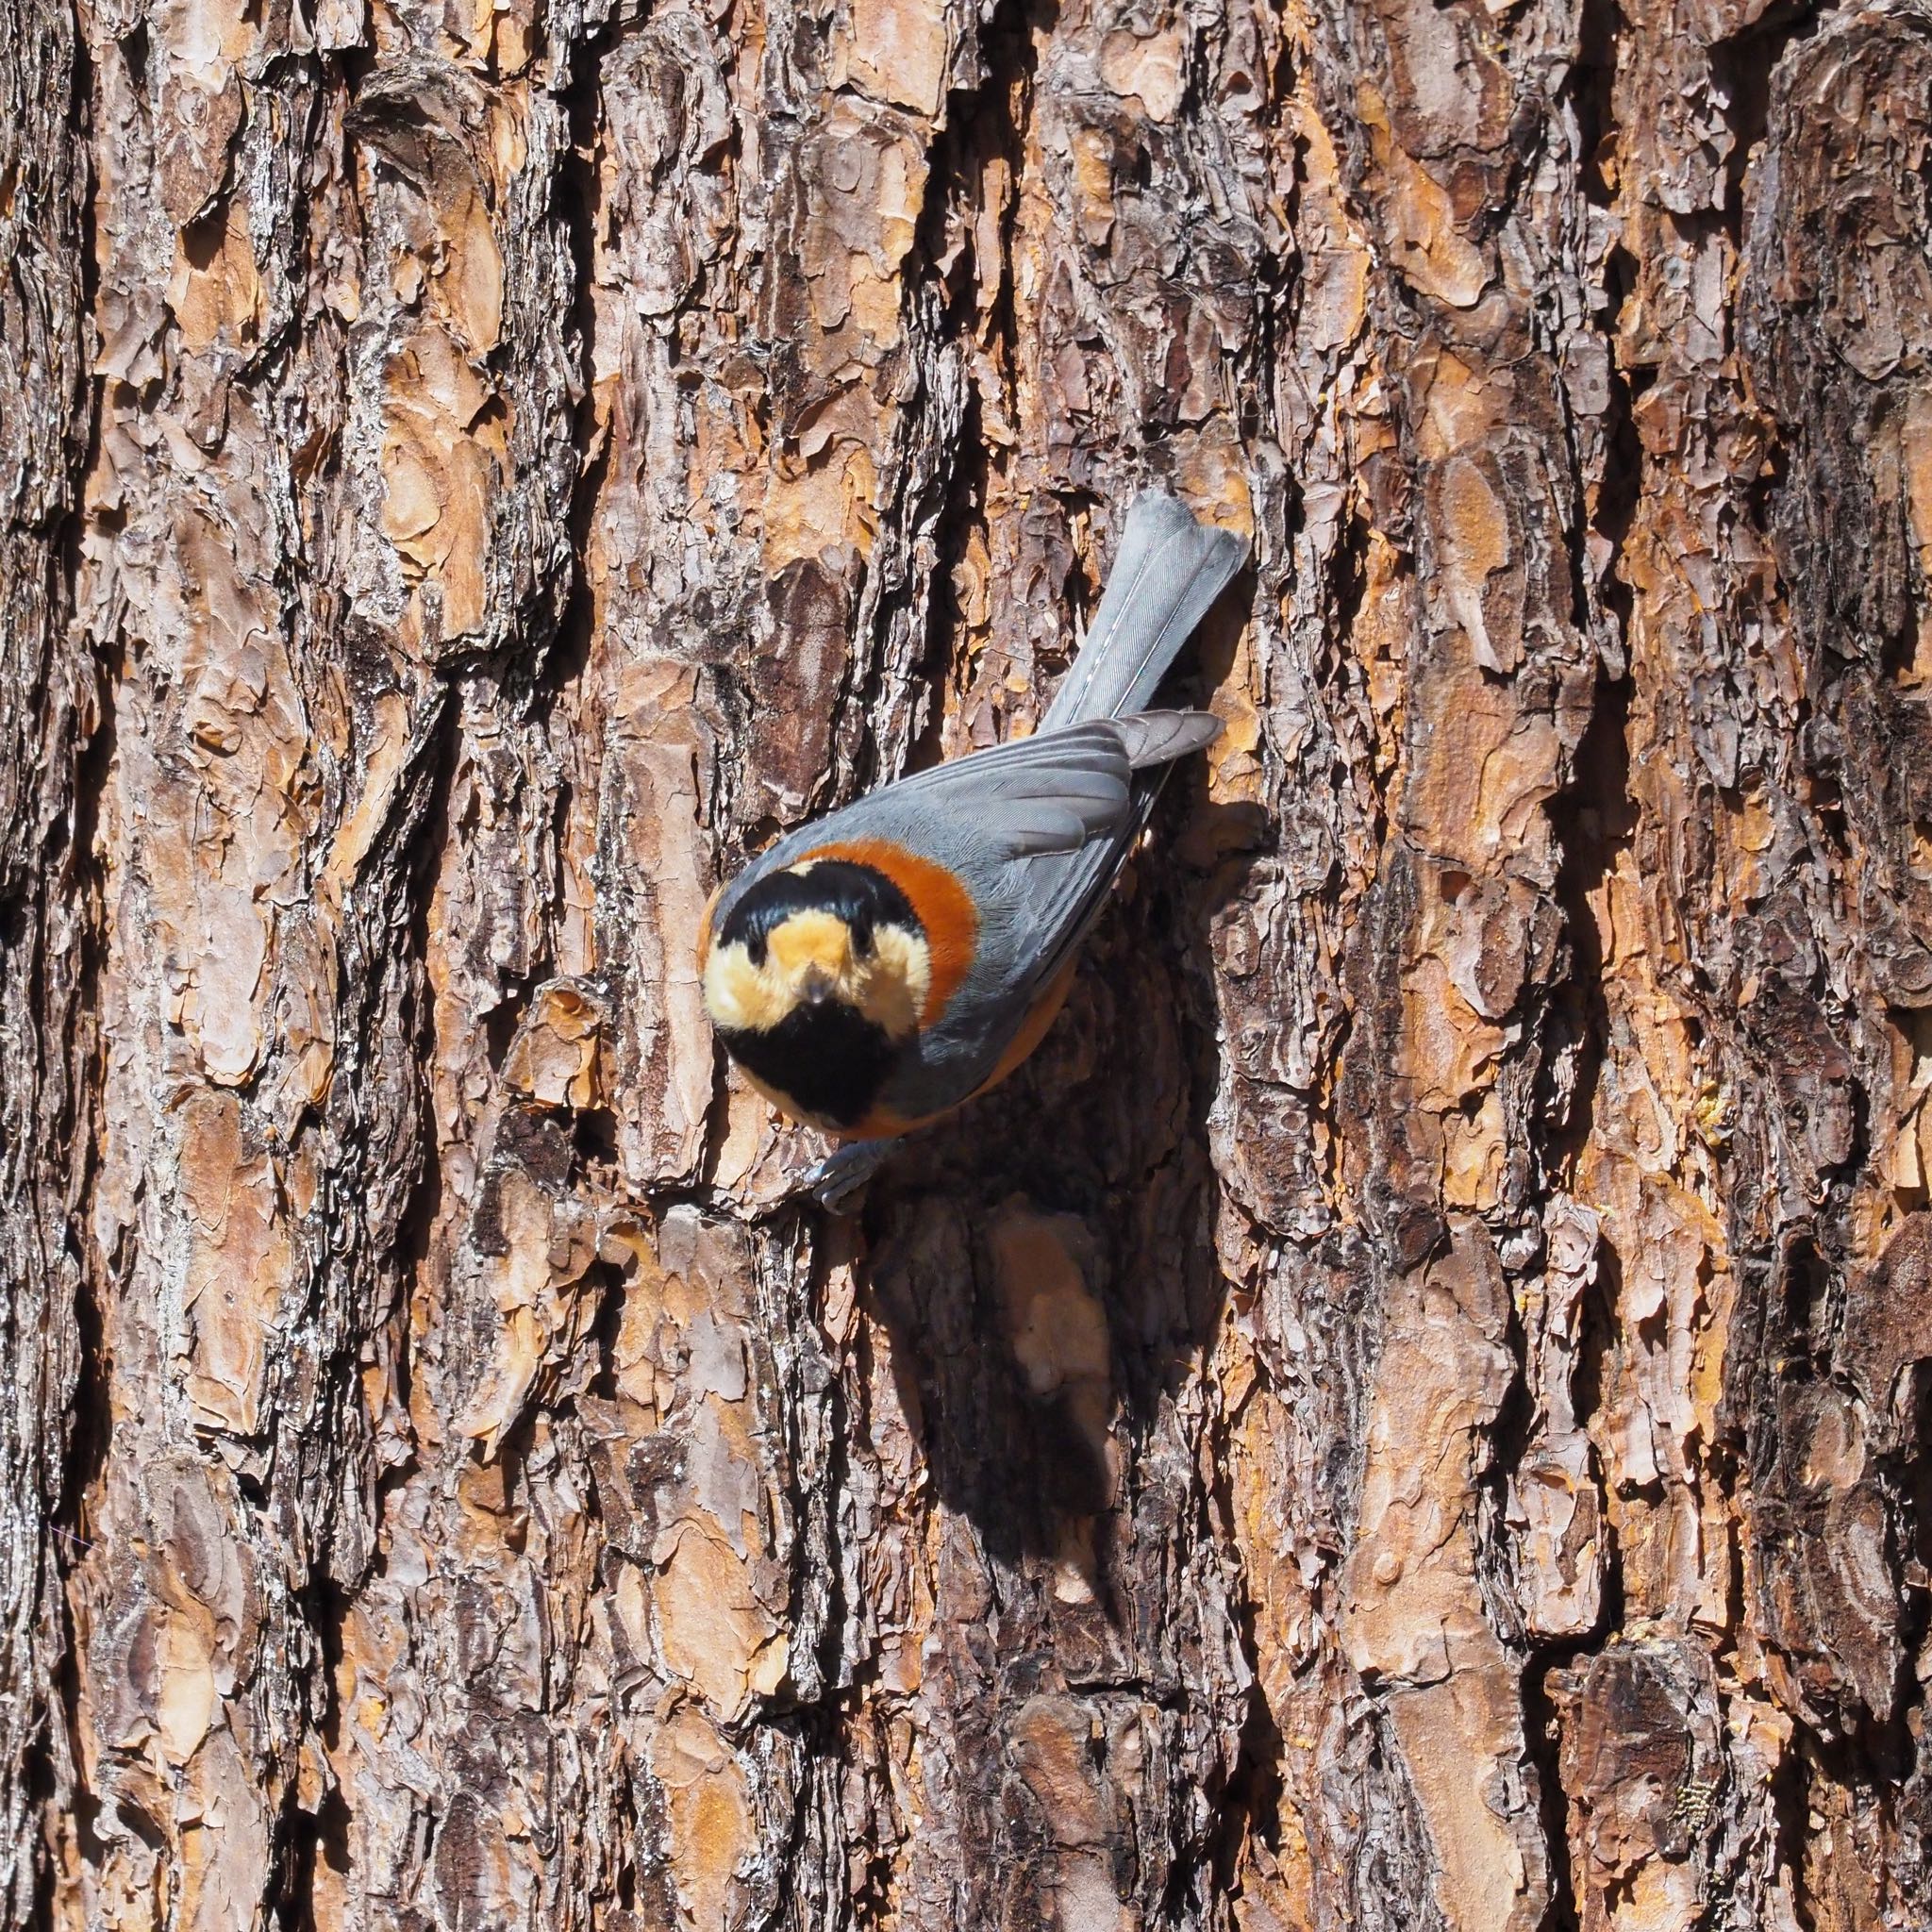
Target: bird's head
{"x": 803, "y": 949}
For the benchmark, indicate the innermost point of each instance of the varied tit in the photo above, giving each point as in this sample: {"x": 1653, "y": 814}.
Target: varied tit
{"x": 877, "y": 968}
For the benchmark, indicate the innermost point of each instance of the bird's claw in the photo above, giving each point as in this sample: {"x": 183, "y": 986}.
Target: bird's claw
{"x": 841, "y": 1175}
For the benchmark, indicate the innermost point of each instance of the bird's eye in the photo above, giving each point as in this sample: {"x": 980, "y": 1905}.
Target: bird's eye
{"x": 862, "y": 941}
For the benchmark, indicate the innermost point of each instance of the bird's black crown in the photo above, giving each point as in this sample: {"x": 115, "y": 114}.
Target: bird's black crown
{"x": 864, "y": 898}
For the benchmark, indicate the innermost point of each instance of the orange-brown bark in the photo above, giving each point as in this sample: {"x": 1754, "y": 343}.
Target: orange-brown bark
{"x": 1409, "y": 1411}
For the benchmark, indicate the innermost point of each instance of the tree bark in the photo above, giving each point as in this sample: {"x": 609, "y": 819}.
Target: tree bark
{"x": 50, "y": 909}
{"x": 1410, "y": 1412}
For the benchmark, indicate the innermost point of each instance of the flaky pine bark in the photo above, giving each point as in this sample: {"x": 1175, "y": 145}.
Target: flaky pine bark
{"x": 49, "y": 910}
{"x": 1410, "y": 1413}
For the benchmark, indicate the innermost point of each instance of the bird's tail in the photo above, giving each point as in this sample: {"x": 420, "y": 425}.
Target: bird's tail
{"x": 1168, "y": 570}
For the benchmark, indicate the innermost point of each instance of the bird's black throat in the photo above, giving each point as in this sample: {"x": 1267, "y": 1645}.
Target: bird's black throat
{"x": 829, "y": 1059}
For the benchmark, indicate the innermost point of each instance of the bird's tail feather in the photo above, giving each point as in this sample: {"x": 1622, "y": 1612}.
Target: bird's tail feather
{"x": 1168, "y": 570}
{"x": 1158, "y": 738}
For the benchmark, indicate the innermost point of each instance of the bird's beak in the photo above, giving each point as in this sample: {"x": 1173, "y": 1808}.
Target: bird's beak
{"x": 816, "y": 987}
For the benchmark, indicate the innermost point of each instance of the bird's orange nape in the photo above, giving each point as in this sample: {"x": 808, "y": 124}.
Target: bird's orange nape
{"x": 944, "y": 907}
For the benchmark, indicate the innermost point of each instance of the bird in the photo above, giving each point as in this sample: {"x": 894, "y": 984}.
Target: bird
{"x": 873, "y": 970}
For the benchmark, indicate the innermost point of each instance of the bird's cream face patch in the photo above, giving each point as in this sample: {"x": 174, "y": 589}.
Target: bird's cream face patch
{"x": 812, "y": 953}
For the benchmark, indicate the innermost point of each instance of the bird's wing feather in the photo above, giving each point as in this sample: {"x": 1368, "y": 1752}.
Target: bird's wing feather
{"x": 1041, "y": 827}
{"x": 1054, "y": 792}
{"x": 1049, "y": 793}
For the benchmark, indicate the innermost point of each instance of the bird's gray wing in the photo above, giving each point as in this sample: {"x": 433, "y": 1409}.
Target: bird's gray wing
{"x": 1039, "y": 828}
{"x": 1047, "y": 793}
{"x": 1055, "y": 792}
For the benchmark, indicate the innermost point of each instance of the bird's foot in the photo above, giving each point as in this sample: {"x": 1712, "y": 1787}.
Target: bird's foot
{"x": 841, "y": 1175}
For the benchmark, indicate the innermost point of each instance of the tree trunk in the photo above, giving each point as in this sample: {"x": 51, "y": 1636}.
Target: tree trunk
{"x": 1410, "y": 1413}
